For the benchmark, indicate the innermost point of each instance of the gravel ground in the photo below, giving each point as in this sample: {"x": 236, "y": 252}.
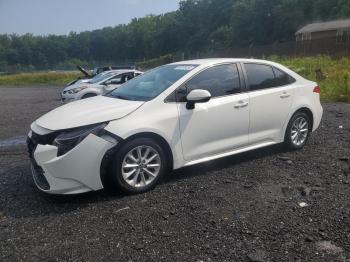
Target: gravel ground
{"x": 19, "y": 107}
{"x": 241, "y": 208}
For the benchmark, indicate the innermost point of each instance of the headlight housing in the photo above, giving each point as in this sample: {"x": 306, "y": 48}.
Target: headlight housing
{"x": 77, "y": 90}
{"x": 68, "y": 139}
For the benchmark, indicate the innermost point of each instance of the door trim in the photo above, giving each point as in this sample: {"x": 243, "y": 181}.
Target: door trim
{"x": 230, "y": 153}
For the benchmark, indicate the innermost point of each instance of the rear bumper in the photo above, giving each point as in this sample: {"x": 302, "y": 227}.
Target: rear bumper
{"x": 318, "y": 113}
{"x": 76, "y": 172}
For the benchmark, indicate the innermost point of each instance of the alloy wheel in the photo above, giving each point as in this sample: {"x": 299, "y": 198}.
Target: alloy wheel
{"x": 299, "y": 131}
{"x": 141, "y": 166}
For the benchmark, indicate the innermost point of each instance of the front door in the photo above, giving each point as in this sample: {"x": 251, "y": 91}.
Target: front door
{"x": 220, "y": 125}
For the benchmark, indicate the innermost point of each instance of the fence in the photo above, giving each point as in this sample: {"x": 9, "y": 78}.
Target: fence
{"x": 332, "y": 46}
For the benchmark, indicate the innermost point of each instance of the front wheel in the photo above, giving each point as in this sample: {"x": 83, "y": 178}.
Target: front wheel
{"x": 139, "y": 165}
{"x": 298, "y": 131}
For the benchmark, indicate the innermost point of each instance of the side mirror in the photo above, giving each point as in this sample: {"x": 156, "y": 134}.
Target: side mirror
{"x": 197, "y": 96}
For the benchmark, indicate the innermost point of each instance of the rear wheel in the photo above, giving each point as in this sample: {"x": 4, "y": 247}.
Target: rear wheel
{"x": 139, "y": 165}
{"x": 298, "y": 131}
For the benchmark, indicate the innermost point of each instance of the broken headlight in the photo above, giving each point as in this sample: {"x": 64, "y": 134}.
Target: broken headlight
{"x": 68, "y": 139}
{"x": 76, "y": 90}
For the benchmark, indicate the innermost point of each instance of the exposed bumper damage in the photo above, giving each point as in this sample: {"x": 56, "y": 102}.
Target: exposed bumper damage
{"x": 76, "y": 172}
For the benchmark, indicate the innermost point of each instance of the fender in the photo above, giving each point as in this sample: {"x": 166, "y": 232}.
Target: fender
{"x": 91, "y": 90}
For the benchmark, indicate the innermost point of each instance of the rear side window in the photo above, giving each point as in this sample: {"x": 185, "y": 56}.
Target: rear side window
{"x": 265, "y": 76}
{"x": 221, "y": 80}
{"x": 282, "y": 78}
{"x": 260, "y": 76}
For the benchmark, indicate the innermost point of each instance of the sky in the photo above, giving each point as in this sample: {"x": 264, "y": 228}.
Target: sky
{"x": 43, "y": 17}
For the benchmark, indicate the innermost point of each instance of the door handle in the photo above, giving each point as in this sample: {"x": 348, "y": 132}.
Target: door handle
{"x": 285, "y": 95}
{"x": 241, "y": 104}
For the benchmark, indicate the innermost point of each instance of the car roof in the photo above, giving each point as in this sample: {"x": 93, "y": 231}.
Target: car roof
{"x": 210, "y": 61}
{"x": 214, "y": 61}
{"x": 113, "y": 73}
{"x": 121, "y": 71}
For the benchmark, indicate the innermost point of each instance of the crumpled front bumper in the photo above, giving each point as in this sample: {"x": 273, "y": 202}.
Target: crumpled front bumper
{"x": 76, "y": 172}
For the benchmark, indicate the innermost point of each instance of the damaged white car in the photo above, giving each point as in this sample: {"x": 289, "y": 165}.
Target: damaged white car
{"x": 173, "y": 116}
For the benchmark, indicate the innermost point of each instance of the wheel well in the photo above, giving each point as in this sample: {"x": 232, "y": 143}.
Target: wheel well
{"x": 87, "y": 95}
{"x": 160, "y": 140}
{"x": 105, "y": 167}
{"x": 305, "y": 110}
{"x": 308, "y": 112}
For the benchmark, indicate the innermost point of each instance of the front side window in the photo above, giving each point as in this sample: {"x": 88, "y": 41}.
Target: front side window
{"x": 221, "y": 80}
{"x": 152, "y": 83}
{"x": 116, "y": 80}
{"x": 120, "y": 79}
{"x": 99, "y": 78}
{"x": 260, "y": 76}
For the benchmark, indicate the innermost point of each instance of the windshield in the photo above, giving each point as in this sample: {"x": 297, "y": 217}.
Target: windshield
{"x": 99, "y": 78}
{"x": 152, "y": 83}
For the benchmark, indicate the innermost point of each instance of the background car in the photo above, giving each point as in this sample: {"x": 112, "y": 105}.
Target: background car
{"x": 98, "y": 70}
{"x": 87, "y": 75}
{"x": 173, "y": 116}
{"x": 100, "y": 84}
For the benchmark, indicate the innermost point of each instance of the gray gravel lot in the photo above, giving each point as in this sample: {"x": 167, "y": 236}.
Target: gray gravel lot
{"x": 20, "y": 106}
{"x": 241, "y": 208}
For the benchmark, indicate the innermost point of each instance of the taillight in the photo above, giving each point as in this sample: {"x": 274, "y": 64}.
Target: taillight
{"x": 317, "y": 90}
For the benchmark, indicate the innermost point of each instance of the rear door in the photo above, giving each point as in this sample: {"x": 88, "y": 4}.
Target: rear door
{"x": 271, "y": 93}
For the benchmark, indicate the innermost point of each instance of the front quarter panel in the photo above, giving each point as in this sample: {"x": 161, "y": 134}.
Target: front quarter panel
{"x": 91, "y": 90}
{"x": 155, "y": 117}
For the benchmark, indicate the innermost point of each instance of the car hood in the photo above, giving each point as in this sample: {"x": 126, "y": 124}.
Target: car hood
{"x": 87, "y": 112}
{"x": 86, "y": 73}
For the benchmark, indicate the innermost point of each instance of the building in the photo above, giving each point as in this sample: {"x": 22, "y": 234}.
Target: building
{"x": 339, "y": 30}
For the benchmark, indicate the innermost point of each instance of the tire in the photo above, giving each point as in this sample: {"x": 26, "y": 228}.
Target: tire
{"x": 139, "y": 181}
{"x": 298, "y": 131}
{"x": 88, "y": 95}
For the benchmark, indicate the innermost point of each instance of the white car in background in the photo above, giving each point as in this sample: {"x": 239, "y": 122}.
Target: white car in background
{"x": 78, "y": 82}
{"x": 176, "y": 115}
{"x": 99, "y": 85}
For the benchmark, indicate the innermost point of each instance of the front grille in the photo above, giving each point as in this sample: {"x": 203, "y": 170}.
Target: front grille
{"x": 31, "y": 147}
{"x": 43, "y": 139}
{"x": 35, "y": 140}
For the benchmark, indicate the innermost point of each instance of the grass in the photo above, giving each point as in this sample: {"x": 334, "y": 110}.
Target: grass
{"x": 40, "y": 78}
{"x": 334, "y": 79}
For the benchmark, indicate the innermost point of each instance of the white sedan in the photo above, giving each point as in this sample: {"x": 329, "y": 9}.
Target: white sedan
{"x": 99, "y": 85}
{"x": 173, "y": 116}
